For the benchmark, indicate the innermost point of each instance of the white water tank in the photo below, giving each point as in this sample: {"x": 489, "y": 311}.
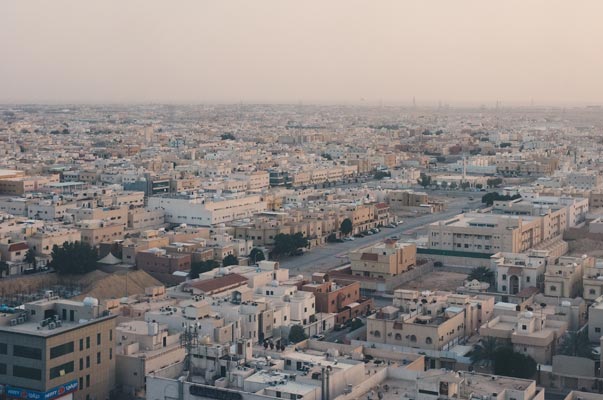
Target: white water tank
{"x": 153, "y": 328}
{"x": 91, "y": 302}
{"x": 566, "y": 303}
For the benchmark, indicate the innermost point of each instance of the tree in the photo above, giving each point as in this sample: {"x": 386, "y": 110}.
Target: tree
{"x": 227, "y": 136}
{"x": 201, "y": 267}
{"x": 494, "y": 182}
{"x": 332, "y": 238}
{"x": 327, "y": 156}
{"x": 453, "y": 185}
{"x": 424, "y": 180}
{"x": 378, "y": 175}
{"x": 356, "y": 323}
{"x": 73, "y": 258}
{"x": 297, "y": 334}
{"x": 256, "y": 255}
{"x": 465, "y": 185}
{"x": 577, "y": 344}
{"x": 484, "y": 352}
{"x": 510, "y": 363}
{"x": 30, "y": 258}
{"x": 490, "y": 198}
{"x": 482, "y": 274}
{"x": 230, "y": 260}
{"x": 346, "y": 226}
{"x": 285, "y": 244}
{"x": 4, "y": 268}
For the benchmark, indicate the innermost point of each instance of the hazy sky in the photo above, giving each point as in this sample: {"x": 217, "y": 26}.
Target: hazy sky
{"x": 312, "y": 51}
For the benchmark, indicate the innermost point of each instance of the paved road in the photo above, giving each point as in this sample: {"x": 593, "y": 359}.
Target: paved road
{"x": 332, "y": 255}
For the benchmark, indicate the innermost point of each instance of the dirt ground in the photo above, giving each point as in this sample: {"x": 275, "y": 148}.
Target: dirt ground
{"x": 436, "y": 280}
{"x": 585, "y": 246}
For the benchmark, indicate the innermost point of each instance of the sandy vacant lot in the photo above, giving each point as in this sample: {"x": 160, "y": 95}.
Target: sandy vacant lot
{"x": 437, "y": 280}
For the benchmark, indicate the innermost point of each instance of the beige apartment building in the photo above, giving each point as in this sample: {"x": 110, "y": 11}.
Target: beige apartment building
{"x": 112, "y": 215}
{"x": 437, "y": 331}
{"x": 403, "y": 199}
{"x": 95, "y": 232}
{"x": 564, "y": 279}
{"x": 43, "y": 241}
{"x": 592, "y": 281}
{"x": 530, "y": 333}
{"x": 57, "y": 346}
{"x": 383, "y": 260}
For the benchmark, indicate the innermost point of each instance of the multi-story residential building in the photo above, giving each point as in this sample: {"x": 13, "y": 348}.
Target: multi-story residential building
{"x": 44, "y": 240}
{"x": 440, "y": 330}
{"x": 383, "y": 260}
{"x": 564, "y": 279}
{"x": 477, "y": 236}
{"x": 595, "y": 320}
{"x": 592, "y": 281}
{"x": 207, "y": 211}
{"x": 161, "y": 265}
{"x": 142, "y": 218}
{"x": 339, "y": 297}
{"x": 143, "y": 347}
{"x": 515, "y": 272}
{"x": 110, "y": 215}
{"x": 529, "y": 332}
{"x": 55, "y": 347}
{"x": 95, "y": 232}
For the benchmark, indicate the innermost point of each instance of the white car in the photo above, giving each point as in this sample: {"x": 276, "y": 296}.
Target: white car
{"x": 349, "y": 239}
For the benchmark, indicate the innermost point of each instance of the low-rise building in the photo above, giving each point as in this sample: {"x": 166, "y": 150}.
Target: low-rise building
{"x": 383, "y": 260}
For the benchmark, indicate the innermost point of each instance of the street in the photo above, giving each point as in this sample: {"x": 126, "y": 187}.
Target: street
{"x": 331, "y": 255}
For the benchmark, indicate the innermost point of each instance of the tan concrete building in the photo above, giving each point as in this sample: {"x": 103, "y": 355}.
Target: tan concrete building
{"x": 564, "y": 279}
{"x": 383, "y": 260}
{"x": 55, "y": 347}
{"x": 95, "y": 232}
{"x": 436, "y": 331}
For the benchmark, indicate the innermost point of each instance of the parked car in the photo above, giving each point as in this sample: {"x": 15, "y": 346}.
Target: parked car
{"x": 318, "y": 337}
{"x": 349, "y": 239}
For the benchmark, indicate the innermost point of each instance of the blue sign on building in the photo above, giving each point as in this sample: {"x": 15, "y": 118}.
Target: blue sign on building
{"x": 18, "y": 393}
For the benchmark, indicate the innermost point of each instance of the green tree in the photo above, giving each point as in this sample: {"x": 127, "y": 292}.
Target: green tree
{"x": 356, "y": 323}
{"x": 30, "y": 258}
{"x": 484, "y": 352}
{"x": 494, "y": 182}
{"x": 256, "y": 255}
{"x": 577, "y": 344}
{"x": 378, "y": 175}
{"x": 201, "y": 267}
{"x": 285, "y": 244}
{"x": 332, "y": 238}
{"x": 424, "y": 180}
{"x": 227, "y": 136}
{"x": 297, "y": 334}
{"x": 4, "y": 269}
{"x": 489, "y": 198}
{"x": 73, "y": 258}
{"x": 509, "y": 363}
{"x": 230, "y": 260}
{"x": 482, "y": 274}
{"x": 346, "y": 226}
{"x": 453, "y": 185}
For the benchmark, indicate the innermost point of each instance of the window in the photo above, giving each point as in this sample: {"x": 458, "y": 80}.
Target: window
{"x": 524, "y": 327}
{"x": 398, "y": 336}
{"x": 81, "y": 344}
{"x": 377, "y": 334}
{"x": 3, "y": 348}
{"x": 110, "y": 335}
{"x": 87, "y": 361}
{"x": 428, "y": 340}
{"x": 504, "y": 277}
{"x": 61, "y": 370}
{"x": 87, "y": 380}
{"x": 553, "y": 288}
{"x": 27, "y": 352}
{"x": 2, "y": 369}
{"x": 27, "y": 373}
{"x": 81, "y": 364}
{"x": 598, "y": 330}
{"x": 527, "y": 278}
{"x": 81, "y": 386}
{"x": 87, "y": 342}
{"x": 504, "y": 288}
{"x": 61, "y": 350}
{"x": 413, "y": 338}
{"x": 110, "y": 353}
{"x": 592, "y": 291}
{"x": 98, "y": 339}
{"x": 98, "y": 357}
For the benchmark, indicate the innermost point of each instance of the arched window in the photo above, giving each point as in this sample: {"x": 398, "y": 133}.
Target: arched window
{"x": 428, "y": 340}
{"x": 398, "y": 336}
{"x": 377, "y": 334}
{"x": 413, "y": 338}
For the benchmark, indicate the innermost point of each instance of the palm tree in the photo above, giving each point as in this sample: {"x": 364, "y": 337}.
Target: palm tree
{"x": 483, "y": 352}
{"x": 577, "y": 344}
{"x": 482, "y": 274}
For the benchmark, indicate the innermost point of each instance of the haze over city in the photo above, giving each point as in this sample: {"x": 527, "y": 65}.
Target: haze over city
{"x": 352, "y": 52}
